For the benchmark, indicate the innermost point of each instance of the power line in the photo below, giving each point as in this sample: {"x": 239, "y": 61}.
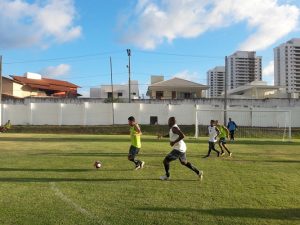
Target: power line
{"x": 179, "y": 55}
{"x": 62, "y": 58}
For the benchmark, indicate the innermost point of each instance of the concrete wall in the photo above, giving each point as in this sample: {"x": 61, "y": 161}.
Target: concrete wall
{"x": 97, "y": 113}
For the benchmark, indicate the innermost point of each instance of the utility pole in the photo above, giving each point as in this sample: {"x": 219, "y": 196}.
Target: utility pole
{"x": 0, "y": 90}
{"x": 112, "y": 93}
{"x": 225, "y": 91}
{"x": 129, "y": 80}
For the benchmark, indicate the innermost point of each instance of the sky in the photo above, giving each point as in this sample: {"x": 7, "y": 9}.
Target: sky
{"x": 73, "y": 40}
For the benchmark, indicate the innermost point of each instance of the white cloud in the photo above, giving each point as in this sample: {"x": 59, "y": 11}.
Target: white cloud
{"x": 24, "y": 24}
{"x": 187, "y": 75}
{"x": 85, "y": 93}
{"x": 269, "y": 69}
{"x": 268, "y": 73}
{"x": 154, "y": 22}
{"x": 55, "y": 71}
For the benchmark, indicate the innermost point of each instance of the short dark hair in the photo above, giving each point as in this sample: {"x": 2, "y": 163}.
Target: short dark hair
{"x": 131, "y": 118}
{"x": 172, "y": 118}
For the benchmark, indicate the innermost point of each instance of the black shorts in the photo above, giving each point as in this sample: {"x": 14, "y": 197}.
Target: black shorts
{"x": 176, "y": 154}
{"x": 222, "y": 140}
{"x": 133, "y": 151}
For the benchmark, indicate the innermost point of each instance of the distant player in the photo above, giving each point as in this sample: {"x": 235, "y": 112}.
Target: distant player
{"x": 232, "y": 127}
{"x": 135, "y": 135}
{"x": 6, "y": 126}
{"x": 213, "y": 133}
{"x": 224, "y": 133}
{"x": 178, "y": 150}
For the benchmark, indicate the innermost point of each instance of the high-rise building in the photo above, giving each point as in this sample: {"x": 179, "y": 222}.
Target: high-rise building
{"x": 243, "y": 67}
{"x": 216, "y": 81}
{"x": 287, "y": 66}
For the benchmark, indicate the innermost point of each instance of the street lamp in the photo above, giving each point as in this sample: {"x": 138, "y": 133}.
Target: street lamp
{"x": 129, "y": 81}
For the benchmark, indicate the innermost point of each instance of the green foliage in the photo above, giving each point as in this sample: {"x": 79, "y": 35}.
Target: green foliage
{"x": 243, "y": 132}
{"x": 49, "y": 179}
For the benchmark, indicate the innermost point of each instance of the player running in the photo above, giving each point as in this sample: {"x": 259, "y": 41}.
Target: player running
{"x": 179, "y": 150}
{"x": 224, "y": 133}
{"x": 135, "y": 135}
{"x": 213, "y": 133}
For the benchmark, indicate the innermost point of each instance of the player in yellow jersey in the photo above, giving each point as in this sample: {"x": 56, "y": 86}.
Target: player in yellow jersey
{"x": 224, "y": 133}
{"x": 6, "y": 127}
{"x": 135, "y": 135}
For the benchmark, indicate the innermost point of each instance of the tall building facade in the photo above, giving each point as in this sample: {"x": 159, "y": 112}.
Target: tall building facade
{"x": 287, "y": 66}
{"x": 216, "y": 81}
{"x": 243, "y": 67}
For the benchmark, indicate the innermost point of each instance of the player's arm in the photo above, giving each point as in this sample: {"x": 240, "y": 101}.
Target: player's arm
{"x": 179, "y": 133}
{"x": 235, "y": 125}
{"x": 137, "y": 129}
{"x": 218, "y": 131}
{"x": 227, "y": 132}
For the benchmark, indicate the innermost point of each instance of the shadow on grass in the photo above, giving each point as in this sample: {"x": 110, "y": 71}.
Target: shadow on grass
{"x": 42, "y": 170}
{"x": 77, "y": 139}
{"x": 100, "y": 154}
{"x": 279, "y": 214}
{"x": 266, "y": 161}
{"x": 55, "y": 170}
{"x": 42, "y": 180}
{"x": 264, "y": 142}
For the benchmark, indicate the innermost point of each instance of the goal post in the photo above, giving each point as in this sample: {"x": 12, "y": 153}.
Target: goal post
{"x": 256, "y": 123}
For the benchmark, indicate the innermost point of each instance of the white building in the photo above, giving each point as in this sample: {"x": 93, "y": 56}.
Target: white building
{"x": 216, "y": 81}
{"x": 287, "y": 66}
{"x": 175, "y": 88}
{"x": 119, "y": 91}
{"x": 243, "y": 67}
{"x": 256, "y": 90}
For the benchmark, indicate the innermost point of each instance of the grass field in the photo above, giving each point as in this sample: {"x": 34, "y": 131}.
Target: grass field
{"x": 49, "y": 179}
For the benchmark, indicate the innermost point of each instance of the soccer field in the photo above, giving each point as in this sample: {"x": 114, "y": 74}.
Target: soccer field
{"x": 50, "y": 179}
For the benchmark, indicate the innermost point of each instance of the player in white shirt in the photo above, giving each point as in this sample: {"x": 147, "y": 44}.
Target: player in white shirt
{"x": 213, "y": 133}
{"x": 178, "y": 152}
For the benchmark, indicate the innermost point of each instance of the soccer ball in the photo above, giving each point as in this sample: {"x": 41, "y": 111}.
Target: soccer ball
{"x": 97, "y": 164}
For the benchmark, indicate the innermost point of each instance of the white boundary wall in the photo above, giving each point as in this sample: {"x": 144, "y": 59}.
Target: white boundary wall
{"x": 101, "y": 114}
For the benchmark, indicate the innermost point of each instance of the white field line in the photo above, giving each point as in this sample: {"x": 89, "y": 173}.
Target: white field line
{"x": 68, "y": 200}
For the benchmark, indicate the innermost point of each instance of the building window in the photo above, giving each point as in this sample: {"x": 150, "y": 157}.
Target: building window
{"x": 159, "y": 94}
{"x": 133, "y": 93}
{"x": 187, "y": 95}
{"x": 153, "y": 120}
{"x": 109, "y": 94}
{"x": 120, "y": 94}
{"x": 173, "y": 94}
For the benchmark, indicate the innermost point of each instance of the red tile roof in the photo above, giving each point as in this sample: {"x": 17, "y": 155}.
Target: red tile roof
{"x": 46, "y": 84}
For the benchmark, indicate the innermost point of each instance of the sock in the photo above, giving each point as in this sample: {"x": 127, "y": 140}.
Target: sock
{"x": 167, "y": 167}
{"x": 137, "y": 162}
{"x": 190, "y": 166}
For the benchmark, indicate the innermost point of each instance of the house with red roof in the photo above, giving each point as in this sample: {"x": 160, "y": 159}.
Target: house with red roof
{"x": 34, "y": 85}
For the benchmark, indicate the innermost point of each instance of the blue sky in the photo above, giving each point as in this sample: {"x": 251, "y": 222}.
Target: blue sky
{"x": 73, "y": 40}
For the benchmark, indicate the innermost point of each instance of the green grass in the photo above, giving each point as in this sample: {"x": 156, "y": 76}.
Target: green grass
{"x": 49, "y": 179}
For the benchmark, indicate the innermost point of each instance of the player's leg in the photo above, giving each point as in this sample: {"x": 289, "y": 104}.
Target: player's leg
{"x": 220, "y": 145}
{"x": 232, "y": 135}
{"x": 173, "y": 155}
{"x": 209, "y": 150}
{"x": 183, "y": 161}
{"x": 225, "y": 147}
{"x": 213, "y": 148}
{"x": 133, "y": 151}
